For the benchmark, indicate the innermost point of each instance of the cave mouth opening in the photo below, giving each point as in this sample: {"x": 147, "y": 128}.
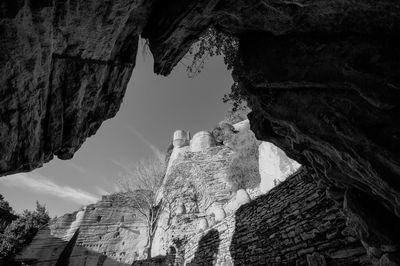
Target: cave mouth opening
{"x": 195, "y": 101}
{"x": 355, "y": 58}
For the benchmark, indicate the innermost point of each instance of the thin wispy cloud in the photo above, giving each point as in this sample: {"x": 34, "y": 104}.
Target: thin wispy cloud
{"x": 153, "y": 148}
{"x": 125, "y": 167}
{"x": 42, "y": 184}
{"x": 77, "y": 167}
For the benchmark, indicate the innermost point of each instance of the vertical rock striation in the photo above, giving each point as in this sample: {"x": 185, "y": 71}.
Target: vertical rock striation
{"x": 105, "y": 233}
{"x": 65, "y": 67}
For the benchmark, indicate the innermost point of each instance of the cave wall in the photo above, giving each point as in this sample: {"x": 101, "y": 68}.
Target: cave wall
{"x": 332, "y": 103}
{"x": 322, "y": 79}
{"x": 64, "y": 69}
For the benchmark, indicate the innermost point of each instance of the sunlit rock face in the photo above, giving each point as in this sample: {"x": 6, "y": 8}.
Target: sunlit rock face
{"x": 64, "y": 70}
{"x": 107, "y": 233}
{"x": 195, "y": 181}
{"x": 198, "y": 182}
{"x": 274, "y": 166}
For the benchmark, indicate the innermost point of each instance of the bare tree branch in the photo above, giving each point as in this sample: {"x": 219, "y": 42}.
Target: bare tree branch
{"x": 143, "y": 186}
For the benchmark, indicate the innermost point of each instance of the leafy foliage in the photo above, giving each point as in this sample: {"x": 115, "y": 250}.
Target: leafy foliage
{"x": 243, "y": 170}
{"x": 7, "y": 214}
{"x": 212, "y": 43}
{"x": 237, "y": 97}
{"x": 21, "y": 231}
{"x": 216, "y": 43}
{"x": 5, "y": 206}
{"x": 223, "y": 132}
{"x": 237, "y": 115}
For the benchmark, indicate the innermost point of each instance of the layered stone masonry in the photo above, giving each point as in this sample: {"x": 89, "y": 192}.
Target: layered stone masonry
{"x": 197, "y": 183}
{"x": 294, "y": 224}
{"x": 105, "y": 233}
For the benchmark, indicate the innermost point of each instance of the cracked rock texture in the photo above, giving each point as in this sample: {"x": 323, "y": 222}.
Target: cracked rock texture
{"x": 105, "y": 233}
{"x": 322, "y": 79}
{"x": 332, "y": 104}
{"x": 64, "y": 70}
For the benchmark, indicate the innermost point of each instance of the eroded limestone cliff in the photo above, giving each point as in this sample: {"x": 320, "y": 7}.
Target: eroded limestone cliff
{"x": 105, "y": 233}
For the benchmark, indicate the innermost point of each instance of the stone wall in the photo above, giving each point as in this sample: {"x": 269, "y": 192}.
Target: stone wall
{"x": 294, "y": 224}
{"x": 156, "y": 261}
{"x": 106, "y": 233}
{"x": 202, "y": 174}
{"x": 194, "y": 181}
{"x": 199, "y": 185}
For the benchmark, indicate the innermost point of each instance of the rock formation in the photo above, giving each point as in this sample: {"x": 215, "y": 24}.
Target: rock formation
{"x": 110, "y": 233}
{"x": 322, "y": 79}
{"x": 336, "y": 119}
{"x": 294, "y": 224}
{"x": 64, "y": 70}
{"x": 105, "y": 233}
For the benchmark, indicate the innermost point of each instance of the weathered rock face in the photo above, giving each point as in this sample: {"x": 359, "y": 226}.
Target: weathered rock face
{"x": 332, "y": 103}
{"x": 322, "y": 78}
{"x": 105, "y": 233}
{"x": 201, "y": 174}
{"x": 199, "y": 186}
{"x": 293, "y": 224}
{"x": 175, "y": 25}
{"x": 64, "y": 70}
{"x": 323, "y": 84}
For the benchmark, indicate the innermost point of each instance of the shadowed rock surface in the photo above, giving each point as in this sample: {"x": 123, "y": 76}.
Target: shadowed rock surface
{"x": 332, "y": 104}
{"x": 64, "y": 70}
{"x": 322, "y": 79}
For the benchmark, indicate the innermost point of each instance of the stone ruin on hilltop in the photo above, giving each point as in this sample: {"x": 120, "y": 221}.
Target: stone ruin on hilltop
{"x": 211, "y": 223}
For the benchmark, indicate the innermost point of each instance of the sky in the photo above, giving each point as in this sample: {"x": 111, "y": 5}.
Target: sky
{"x": 153, "y": 108}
